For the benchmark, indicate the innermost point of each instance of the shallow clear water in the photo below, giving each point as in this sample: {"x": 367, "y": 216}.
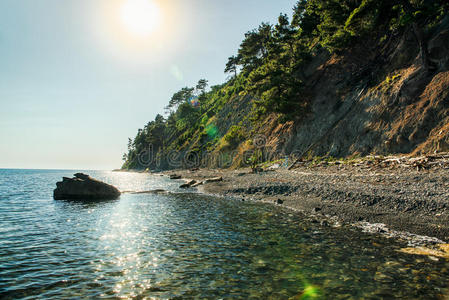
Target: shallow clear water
{"x": 190, "y": 246}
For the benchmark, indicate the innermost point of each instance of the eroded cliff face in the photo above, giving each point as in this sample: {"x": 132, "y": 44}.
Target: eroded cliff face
{"x": 381, "y": 98}
{"x": 378, "y": 100}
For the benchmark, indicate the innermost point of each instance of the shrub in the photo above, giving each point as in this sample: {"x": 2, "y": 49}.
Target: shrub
{"x": 234, "y": 135}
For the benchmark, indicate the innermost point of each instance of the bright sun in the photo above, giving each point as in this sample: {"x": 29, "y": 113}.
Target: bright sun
{"x": 140, "y": 17}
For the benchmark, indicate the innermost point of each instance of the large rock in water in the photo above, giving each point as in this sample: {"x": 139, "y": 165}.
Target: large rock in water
{"x": 84, "y": 187}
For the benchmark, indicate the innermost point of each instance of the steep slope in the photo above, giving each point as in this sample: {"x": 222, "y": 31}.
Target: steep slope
{"x": 407, "y": 112}
{"x": 383, "y": 95}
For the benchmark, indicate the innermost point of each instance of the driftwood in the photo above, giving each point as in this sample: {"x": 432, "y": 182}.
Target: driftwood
{"x": 214, "y": 179}
{"x": 420, "y": 163}
{"x": 436, "y": 160}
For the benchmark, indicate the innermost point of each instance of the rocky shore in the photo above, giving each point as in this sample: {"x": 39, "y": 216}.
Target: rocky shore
{"x": 389, "y": 200}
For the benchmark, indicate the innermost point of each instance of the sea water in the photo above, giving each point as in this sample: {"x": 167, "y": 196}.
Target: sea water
{"x": 186, "y": 245}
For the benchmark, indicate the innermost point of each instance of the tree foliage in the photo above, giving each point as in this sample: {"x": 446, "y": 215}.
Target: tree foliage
{"x": 232, "y": 65}
{"x": 201, "y": 86}
{"x": 179, "y": 97}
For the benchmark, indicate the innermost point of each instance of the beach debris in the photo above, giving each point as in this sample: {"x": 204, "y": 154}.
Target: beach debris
{"x": 197, "y": 184}
{"x": 84, "y": 187}
{"x": 257, "y": 169}
{"x": 156, "y": 191}
{"x": 175, "y": 176}
{"x": 424, "y": 162}
{"x": 274, "y": 167}
{"x": 214, "y": 179}
{"x": 419, "y": 163}
{"x": 187, "y": 184}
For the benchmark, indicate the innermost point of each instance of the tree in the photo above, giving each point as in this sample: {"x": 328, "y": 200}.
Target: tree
{"x": 322, "y": 22}
{"x": 364, "y": 18}
{"x": 171, "y": 124}
{"x": 201, "y": 86}
{"x": 278, "y": 89}
{"x": 159, "y": 119}
{"x": 231, "y": 65}
{"x": 255, "y": 47}
{"x": 306, "y": 18}
{"x": 130, "y": 144}
{"x": 418, "y": 14}
{"x": 186, "y": 116}
{"x": 411, "y": 11}
{"x": 184, "y": 95}
{"x": 285, "y": 33}
{"x": 156, "y": 133}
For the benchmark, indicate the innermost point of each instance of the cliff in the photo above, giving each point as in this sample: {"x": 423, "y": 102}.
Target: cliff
{"x": 383, "y": 95}
{"x": 374, "y": 101}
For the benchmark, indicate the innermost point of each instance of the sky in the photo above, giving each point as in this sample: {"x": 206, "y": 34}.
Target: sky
{"x": 78, "y": 77}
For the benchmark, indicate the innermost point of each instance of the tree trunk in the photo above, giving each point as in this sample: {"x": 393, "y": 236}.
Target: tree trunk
{"x": 422, "y": 46}
{"x": 419, "y": 36}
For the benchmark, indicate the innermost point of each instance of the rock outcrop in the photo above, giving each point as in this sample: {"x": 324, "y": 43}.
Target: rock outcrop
{"x": 84, "y": 187}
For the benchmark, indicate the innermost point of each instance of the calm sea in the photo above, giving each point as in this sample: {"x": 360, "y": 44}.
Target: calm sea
{"x": 184, "y": 246}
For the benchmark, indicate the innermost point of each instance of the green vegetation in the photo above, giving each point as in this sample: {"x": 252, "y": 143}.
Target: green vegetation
{"x": 234, "y": 136}
{"x": 268, "y": 68}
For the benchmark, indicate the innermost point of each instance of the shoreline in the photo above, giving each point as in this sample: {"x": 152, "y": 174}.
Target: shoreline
{"x": 395, "y": 202}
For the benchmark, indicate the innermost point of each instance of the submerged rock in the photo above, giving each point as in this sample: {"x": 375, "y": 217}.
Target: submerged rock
{"x": 442, "y": 252}
{"x": 84, "y": 187}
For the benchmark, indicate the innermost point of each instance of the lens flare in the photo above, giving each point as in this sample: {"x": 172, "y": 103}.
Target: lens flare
{"x": 212, "y": 131}
{"x": 195, "y": 102}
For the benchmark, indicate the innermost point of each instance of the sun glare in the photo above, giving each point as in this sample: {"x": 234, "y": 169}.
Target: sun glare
{"x": 140, "y": 17}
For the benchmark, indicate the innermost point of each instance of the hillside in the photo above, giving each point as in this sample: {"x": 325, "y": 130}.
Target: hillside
{"x": 341, "y": 78}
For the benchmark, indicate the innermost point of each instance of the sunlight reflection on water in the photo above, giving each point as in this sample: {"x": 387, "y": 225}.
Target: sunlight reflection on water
{"x": 190, "y": 246}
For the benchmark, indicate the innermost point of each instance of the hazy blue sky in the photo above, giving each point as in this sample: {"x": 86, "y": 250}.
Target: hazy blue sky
{"x": 75, "y": 83}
